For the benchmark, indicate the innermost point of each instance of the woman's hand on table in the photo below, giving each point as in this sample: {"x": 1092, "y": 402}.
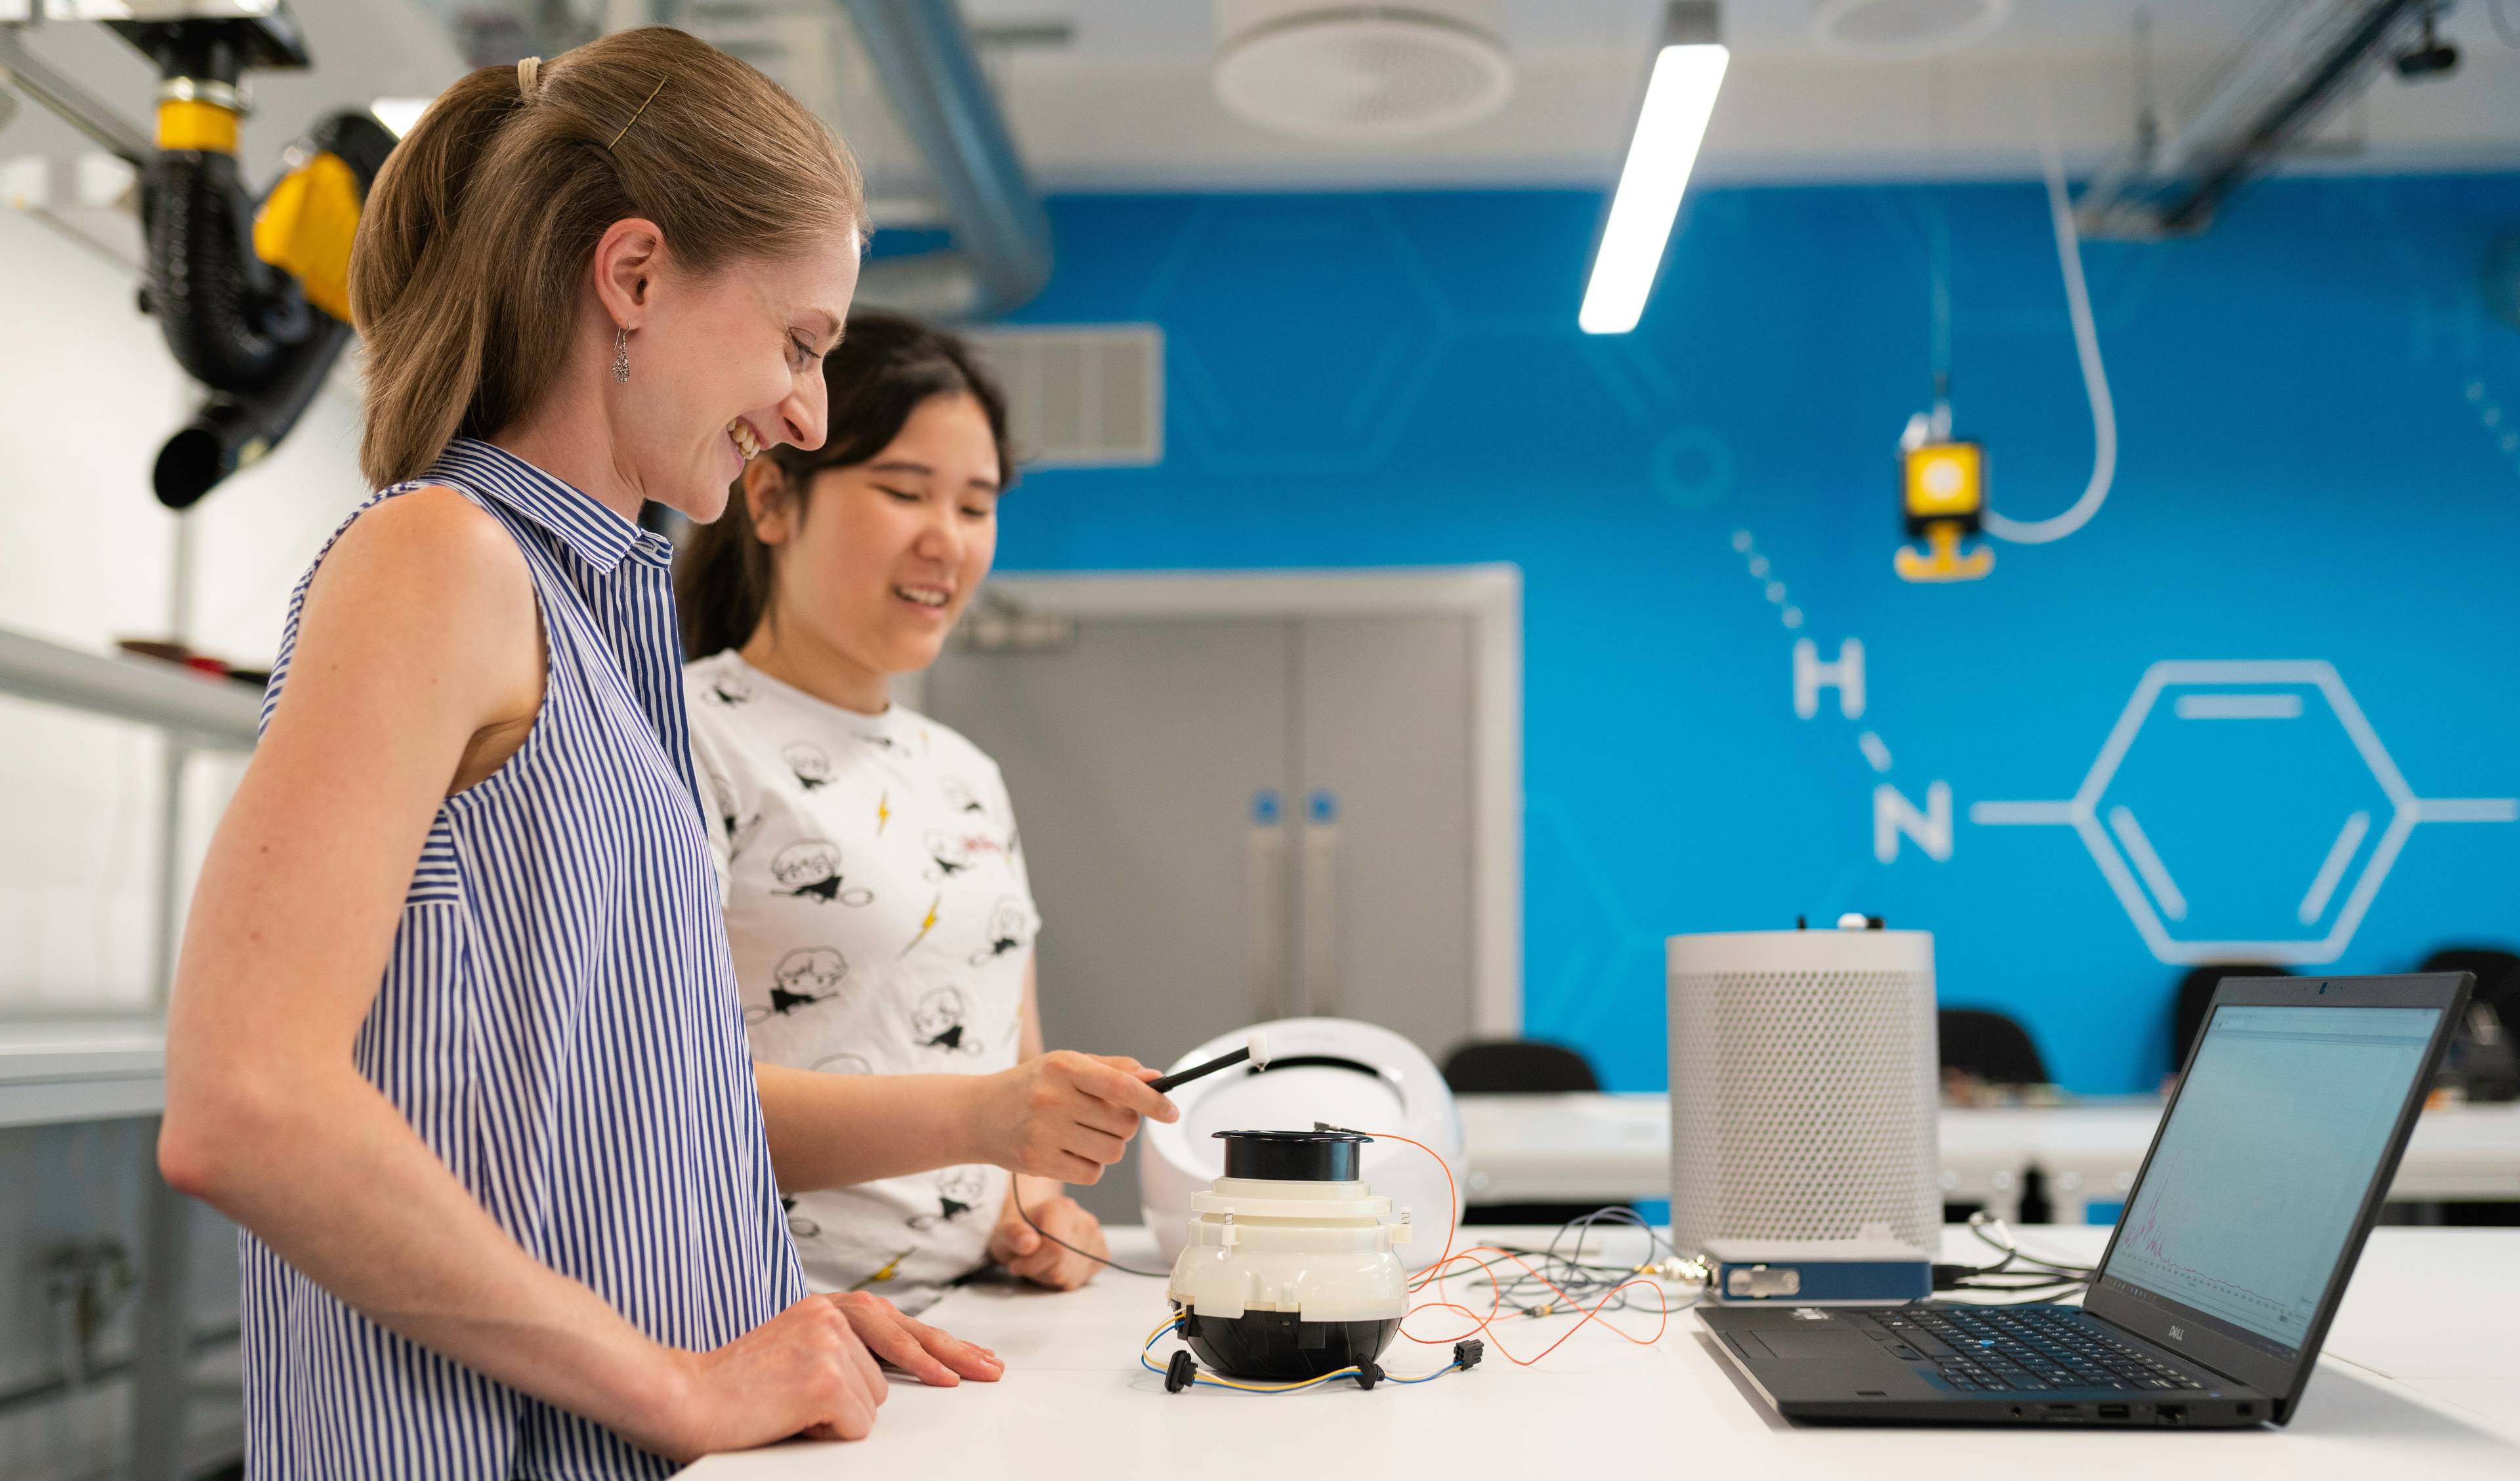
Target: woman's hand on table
{"x": 929, "y": 1354}
{"x": 804, "y": 1372}
{"x": 1023, "y": 1251}
{"x": 811, "y": 1370}
{"x": 1063, "y": 1115}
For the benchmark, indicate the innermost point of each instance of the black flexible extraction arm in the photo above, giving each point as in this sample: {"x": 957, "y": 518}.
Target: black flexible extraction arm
{"x": 252, "y": 295}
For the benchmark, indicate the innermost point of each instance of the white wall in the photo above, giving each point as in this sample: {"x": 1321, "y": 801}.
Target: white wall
{"x": 87, "y": 393}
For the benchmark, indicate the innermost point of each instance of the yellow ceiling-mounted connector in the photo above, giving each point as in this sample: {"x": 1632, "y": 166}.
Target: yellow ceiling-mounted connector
{"x": 1942, "y": 494}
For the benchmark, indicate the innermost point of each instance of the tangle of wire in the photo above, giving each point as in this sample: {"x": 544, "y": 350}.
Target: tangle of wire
{"x": 1612, "y": 1283}
{"x": 1561, "y": 1276}
{"x": 2029, "y": 1279}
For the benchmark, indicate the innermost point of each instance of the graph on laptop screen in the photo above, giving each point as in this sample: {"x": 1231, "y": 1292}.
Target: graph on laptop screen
{"x": 2252, "y": 1190}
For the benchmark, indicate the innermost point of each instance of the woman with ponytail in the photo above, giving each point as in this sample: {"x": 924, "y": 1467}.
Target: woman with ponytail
{"x": 455, "y": 1036}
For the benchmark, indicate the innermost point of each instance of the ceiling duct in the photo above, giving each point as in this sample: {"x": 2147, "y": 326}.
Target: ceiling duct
{"x": 2300, "y": 62}
{"x": 1001, "y": 253}
{"x": 939, "y": 155}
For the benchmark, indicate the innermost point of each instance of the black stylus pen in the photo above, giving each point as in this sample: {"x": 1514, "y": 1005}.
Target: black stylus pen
{"x": 1255, "y": 1049}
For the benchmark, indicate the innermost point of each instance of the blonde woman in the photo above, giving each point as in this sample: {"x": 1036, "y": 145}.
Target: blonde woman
{"x": 455, "y": 1037}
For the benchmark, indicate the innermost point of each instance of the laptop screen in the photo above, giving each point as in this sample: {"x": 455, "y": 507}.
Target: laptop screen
{"x": 2255, "y": 1185}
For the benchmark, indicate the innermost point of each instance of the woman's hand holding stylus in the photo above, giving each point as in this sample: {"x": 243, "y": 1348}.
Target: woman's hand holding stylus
{"x": 1065, "y": 1115}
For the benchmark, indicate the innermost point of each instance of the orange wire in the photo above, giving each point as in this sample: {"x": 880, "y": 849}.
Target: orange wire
{"x": 1486, "y": 1324}
{"x": 1452, "y": 1202}
{"x": 1478, "y": 1324}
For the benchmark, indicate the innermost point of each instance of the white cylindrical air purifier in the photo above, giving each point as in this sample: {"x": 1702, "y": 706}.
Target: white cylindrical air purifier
{"x": 1803, "y": 1088}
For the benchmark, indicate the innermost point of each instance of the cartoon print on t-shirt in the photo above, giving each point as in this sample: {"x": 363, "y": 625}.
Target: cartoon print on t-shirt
{"x": 940, "y": 1022}
{"x": 842, "y": 1063}
{"x": 810, "y": 870}
{"x": 801, "y": 1225}
{"x": 959, "y": 797}
{"x": 812, "y": 768}
{"x": 950, "y": 854}
{"x": 1009, "y": 924}
{"x": 731, "y": 689}
{"x": 958, "y": 1190}
{"x": 806, "y": 975}
{"x": 730, "y": 811}
{"x": 925, "y": 925}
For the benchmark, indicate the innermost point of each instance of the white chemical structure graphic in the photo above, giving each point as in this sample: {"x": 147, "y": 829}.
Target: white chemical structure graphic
{"x": 2271, "y": 690}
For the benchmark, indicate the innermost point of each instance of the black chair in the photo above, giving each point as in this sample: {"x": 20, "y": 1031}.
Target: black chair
{"x": 2197, "y": 994}
{"x": 2484, "y": 1060}
{"x": 1519, "y": 1067}
{"x": 1988, "y": 1047}
{"x": 2498, "y": 977}
{"x": 1991, "y": 1048}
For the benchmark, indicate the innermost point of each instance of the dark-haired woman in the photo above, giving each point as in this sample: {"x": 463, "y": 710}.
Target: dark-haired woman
{"x": 877, "y": 902}
{"x": 455, "y": 1037}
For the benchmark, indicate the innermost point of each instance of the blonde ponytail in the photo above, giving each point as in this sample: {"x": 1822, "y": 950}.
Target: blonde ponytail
{"x": 465, "y": 277}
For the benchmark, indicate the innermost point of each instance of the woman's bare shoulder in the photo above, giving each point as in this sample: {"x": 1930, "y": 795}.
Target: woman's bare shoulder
{"x": 429, "y": 582}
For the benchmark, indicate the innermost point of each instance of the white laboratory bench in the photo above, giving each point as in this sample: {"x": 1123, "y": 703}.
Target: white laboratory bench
{"x": 2422, "y": 1379}
{"x": 81, "y": 1069}
{"x": 1616, "y": 1148}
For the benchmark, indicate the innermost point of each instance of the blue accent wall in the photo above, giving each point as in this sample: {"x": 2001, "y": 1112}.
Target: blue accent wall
{"x": 2319, "y": 469}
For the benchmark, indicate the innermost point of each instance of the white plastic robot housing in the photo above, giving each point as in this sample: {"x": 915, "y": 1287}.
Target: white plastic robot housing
{"x": 1321, "y": 1250}
{"x": 1335, "y": 1070}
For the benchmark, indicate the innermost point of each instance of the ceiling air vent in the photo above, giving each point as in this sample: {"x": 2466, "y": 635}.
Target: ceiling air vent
{"x": 1079, "y": 395}
{"x": 1363, "y": 73}
{"x": 1895, "y": 28}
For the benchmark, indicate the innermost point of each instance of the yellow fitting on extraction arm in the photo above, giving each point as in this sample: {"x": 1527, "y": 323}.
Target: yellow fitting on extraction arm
{"x": 197, "y": 124}
{"x": 305, "y": 228}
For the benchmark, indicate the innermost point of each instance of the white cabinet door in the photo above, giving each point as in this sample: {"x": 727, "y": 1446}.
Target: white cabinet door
{"x": 1385, "y": 844}
{"x": 1134, "y": 757}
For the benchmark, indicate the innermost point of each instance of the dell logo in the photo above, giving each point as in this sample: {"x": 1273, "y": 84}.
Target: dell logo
{"x": 2178, "y": 1335}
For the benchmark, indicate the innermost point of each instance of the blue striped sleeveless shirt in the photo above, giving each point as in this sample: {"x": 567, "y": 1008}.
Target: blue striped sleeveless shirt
{"x": 558, "y": 1022}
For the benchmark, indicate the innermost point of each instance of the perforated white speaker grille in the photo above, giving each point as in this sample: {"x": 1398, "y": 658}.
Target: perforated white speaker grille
{"x": 1802, "y": 1095}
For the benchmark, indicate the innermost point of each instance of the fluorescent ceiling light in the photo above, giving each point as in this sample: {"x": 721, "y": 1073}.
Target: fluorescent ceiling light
{"x": 398, "y": 114}
{"x": 1678, "y": 99}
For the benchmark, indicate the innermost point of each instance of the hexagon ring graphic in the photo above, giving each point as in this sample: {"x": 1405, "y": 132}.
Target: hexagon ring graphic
{"x": 2261, "y": 783}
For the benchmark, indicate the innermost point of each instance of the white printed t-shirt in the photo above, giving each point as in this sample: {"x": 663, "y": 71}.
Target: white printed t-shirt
{"x": 880, "y": 920}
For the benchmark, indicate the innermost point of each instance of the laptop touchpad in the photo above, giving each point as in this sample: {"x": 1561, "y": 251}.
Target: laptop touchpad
{"x": 1809, "y": 1345}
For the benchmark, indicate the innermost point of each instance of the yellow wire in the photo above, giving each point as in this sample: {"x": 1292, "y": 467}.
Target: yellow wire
{"x": 1249, "y": 1388}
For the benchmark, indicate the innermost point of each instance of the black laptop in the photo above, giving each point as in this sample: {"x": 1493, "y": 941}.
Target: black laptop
{"x": 2217, "y": 1287}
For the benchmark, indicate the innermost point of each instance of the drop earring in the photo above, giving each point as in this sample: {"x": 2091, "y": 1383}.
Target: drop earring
{"x": 621, "y": 355}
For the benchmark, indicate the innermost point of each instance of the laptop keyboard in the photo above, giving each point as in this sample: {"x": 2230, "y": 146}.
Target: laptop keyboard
{"x": 2029, "y": 1348}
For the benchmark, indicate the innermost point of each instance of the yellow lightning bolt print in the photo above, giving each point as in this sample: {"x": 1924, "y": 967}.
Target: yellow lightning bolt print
{"x": 883, "y": 812}
{"x": 884, "y": 1275}
{"x": 927, "y": 926}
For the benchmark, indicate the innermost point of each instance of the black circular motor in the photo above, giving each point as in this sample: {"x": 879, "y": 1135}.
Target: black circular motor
{"x": 1294, "y": 1156}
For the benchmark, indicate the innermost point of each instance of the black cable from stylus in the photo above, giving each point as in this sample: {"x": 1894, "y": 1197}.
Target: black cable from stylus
{"x": 1015, "y": 1190}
